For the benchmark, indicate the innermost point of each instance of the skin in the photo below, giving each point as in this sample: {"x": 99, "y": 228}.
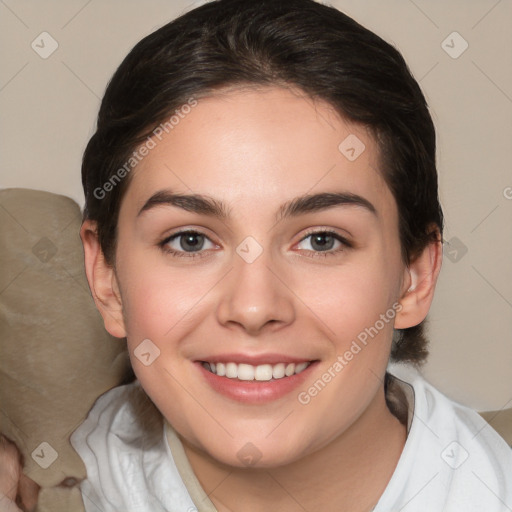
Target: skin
{"x": 254, "y": 150}
{"x": 15, "y": 487}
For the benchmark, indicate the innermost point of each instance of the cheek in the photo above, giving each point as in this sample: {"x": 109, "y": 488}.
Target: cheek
{"x": 350, "y": 298}
{"x": 357, "y": 312}
{"x": 158, "y": 299}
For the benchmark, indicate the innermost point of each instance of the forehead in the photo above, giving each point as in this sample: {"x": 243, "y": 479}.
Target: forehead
{"x": 259, "y": 147}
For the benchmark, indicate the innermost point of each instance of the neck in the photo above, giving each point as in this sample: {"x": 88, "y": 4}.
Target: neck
{"x": 348, "y": 474}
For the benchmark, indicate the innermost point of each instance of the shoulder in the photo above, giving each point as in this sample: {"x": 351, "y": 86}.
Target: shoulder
{"x": 451, "y": 452}
{"x": 103, "y": 443}
{"x": 126, "y": 470}
{"x": 111, "y": 420}
{"x": 434, "y": 409}
{"x": 108, "y": 408}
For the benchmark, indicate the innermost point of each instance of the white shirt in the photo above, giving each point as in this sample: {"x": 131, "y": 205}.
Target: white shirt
{"x": 452, "y": 461}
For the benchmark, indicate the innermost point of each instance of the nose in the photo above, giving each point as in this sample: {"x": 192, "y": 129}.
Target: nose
{"x": 255, "y": 298}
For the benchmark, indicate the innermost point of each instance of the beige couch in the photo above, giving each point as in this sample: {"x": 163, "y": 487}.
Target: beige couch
{"x": 55, "y": 356}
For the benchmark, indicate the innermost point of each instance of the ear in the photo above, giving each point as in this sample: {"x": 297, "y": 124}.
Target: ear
{"x": 420, "y": 278}
{"x": 102, "y": 281}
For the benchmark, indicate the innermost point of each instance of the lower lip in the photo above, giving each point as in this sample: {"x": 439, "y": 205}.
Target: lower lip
{"x": 255, "y": 392}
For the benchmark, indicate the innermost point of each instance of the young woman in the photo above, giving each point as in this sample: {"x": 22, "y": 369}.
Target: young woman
{"x": 262, "y": 224}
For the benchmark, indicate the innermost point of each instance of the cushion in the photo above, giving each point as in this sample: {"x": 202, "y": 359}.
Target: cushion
{"x": 56, "y": 357}
{"x": 501, "y": 421}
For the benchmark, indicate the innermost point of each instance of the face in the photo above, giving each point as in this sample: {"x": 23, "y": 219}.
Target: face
{"x": 250, "y": 242}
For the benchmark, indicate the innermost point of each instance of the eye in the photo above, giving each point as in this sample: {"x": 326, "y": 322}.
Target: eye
{"x": 324, "y": 241}
{"x": 186, "y": 243}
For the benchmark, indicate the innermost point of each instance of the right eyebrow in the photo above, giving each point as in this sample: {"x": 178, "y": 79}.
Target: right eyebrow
{"x": 195, "y": 203}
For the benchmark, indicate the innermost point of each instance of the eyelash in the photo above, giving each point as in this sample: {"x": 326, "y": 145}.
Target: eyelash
{"x": 181, "y": 254}
{"x": 345, "y": 244}
{"x": 200, "y": 254}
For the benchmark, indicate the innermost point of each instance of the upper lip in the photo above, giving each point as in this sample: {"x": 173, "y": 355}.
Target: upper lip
{"x": 255, "y": 359}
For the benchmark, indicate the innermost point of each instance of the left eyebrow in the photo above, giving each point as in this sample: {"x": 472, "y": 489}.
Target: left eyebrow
{"x": 318, "y": 202}
{"x": 201, "y": 204}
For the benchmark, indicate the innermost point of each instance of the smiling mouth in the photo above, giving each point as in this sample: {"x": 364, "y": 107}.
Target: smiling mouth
{"x": 262, "y": 372}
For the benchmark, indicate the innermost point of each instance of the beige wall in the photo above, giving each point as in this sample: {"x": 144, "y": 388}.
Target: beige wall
{"x": 48, "y": 108}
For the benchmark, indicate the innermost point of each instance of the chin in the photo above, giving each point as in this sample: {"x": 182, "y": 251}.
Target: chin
{"x": 256, "y": 454}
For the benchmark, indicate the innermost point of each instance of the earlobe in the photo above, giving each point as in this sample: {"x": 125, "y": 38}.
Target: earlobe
{"x": 419, "y": 285}
{"x": 102, "y": 281}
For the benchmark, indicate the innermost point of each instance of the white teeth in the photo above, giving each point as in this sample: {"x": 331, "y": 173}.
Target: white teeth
{"x": 245, "y": 371}
{"x": 220, "y": 370}
{"x": 278, "y": 371}
{"x": 262, "y": 372}
{"x": 232, "y": 370}
{"x": 300, "y": 367}
{"x": 289, "y": 370}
